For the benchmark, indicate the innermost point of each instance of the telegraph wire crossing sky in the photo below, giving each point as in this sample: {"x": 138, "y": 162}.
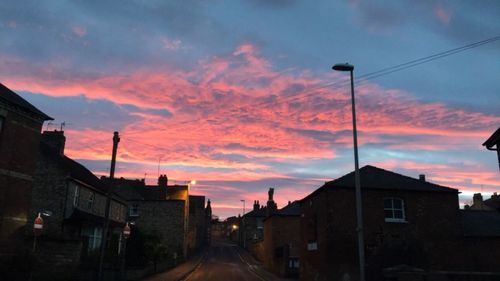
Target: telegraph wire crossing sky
{"x": 240, "y": 95}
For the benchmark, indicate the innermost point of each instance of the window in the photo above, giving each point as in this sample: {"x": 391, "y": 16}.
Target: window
{"x": 76, "y": 198}
{"x": 89, "y": 201}
{"x": 94, "y": 236}
{"x": 394, "y": 210}
{"x": 134, "y": 210}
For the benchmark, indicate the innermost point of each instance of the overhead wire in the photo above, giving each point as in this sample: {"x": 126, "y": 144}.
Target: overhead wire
{"x": 362, "y": 79}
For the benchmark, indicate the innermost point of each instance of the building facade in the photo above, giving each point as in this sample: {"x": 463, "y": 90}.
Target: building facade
{"x": 282, "y": 241}
{"x": 407, "y": 221}
{"x": 20, "y": 126}
{"x": 76, "y": 201}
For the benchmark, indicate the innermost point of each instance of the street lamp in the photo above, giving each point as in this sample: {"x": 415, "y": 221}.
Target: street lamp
{"x": 244, "y": 236}
{"x": 242, "y": 200}
{"x": 359, "y": 229}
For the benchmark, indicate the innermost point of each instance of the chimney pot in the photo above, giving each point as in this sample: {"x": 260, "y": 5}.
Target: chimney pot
{"x": 421, "y": 177}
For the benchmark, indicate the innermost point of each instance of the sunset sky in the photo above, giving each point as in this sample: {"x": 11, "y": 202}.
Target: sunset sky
{"x": 240, "y": 95}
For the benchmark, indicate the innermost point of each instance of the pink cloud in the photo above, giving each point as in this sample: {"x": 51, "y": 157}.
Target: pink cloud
{"x": 79, "y": 31}
{"x": 232, "y": 105}
{"x": 443, "y": 15}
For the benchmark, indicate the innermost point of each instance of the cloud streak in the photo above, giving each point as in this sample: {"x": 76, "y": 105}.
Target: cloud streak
{"x": 231, "y": 119}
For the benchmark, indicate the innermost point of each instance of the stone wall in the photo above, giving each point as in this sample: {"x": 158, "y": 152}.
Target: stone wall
{"x": 167, "y": 217}
{"x": 57, "y": 259}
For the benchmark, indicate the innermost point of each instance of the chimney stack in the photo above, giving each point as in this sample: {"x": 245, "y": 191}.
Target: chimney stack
{"x": 477, "y": 200}
{"x": 256, "y": 205}
{"x": 163, "y": 181}
{"x": 421, "y": 177}
{"x": 54, "y": 139}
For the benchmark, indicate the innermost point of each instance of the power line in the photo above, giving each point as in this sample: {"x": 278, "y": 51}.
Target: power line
{"x": 360, "y": 79}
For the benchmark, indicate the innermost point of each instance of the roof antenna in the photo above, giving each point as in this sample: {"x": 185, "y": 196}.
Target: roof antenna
{"x": 63, "y": 124}
{"x": 48, "y": 124}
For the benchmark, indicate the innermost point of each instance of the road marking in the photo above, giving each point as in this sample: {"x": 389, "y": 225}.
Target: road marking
{"x": 250, "y": 267}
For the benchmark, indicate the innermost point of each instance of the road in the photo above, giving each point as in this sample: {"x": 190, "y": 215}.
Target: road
{"x": 224, "y": 262}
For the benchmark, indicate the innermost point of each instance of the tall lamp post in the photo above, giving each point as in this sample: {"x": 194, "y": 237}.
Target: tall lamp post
{"x": 243, "y": 228}
{"x": 359, "y": 215}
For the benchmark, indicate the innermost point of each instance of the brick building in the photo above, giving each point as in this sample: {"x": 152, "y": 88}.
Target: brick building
{"x": 407, "y": 221}
{"x": 282, "y": 241}
{"x": 20, "y": 126}
{"x": 253, "y": 221}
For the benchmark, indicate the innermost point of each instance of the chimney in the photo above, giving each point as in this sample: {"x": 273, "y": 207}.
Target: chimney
{"x": 256, "y": 205}
{"x": 421, "y": 177}
{"x": 477, "y": 200}
{"x": 54, "y": 139}
{"x": 163, "y": 181}
{"x": 271, "y": 205}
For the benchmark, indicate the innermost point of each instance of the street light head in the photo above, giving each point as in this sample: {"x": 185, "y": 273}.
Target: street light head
{"x": 46, "y": 213}
{"x": 343, "y": 67}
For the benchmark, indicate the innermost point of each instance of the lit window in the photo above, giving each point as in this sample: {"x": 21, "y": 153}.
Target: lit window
{"x": 394, "y": 210}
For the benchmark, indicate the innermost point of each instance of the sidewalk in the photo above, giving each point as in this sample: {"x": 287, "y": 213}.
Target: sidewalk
{"x": 257, "y": 267}
{"x": 179, "y": 272}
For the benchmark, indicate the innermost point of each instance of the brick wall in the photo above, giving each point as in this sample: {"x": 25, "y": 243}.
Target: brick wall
{"x": 19, "y": 139}
{"x": 432, "y": 230}
{"x": 281, "y": 241}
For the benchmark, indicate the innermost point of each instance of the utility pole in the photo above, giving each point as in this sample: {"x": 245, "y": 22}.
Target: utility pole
{"x": 116, "y": 140}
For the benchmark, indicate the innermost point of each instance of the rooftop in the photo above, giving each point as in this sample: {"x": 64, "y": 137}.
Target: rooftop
{"x": 493, "y": 139}
{"x": 9, "y": 96}
{"x": 481, "y": 223}
{"x": 374, "y": 178}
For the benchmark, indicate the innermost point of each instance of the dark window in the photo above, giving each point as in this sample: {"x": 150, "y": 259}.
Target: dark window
{"x": 394, "y": 210}
{"x": 134, "y": 210}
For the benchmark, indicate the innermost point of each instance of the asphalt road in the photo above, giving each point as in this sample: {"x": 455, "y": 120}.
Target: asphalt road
{"x": 224, "y": 263}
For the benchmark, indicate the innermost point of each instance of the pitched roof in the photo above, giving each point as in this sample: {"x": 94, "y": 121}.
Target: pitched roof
{"x": 493, "y": 139}
{"x": 9, "y": 96}
{"x": 260, "y": 212}
{"x": 376, "y": 178}
{"x": 290, "y": 210}
{"x": 127, "y": 189}
{"x": 481, "y": 223}
{"x": 76, "y": 170}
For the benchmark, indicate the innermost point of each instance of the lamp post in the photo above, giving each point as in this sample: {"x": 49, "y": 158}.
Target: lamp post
{"x": 359, "y": 215}
{"x": 244, "y": 230}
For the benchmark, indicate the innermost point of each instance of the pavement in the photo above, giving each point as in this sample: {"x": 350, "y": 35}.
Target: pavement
{"x": 201, "y": 266}
{"x": 257, "y": 267}
{"x": 181, "y": 271}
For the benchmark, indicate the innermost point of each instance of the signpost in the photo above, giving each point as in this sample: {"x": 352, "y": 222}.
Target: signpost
{"x": 37, "y": 229}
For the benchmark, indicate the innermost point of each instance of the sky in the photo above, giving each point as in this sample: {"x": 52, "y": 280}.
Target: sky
{"x": 240, "y": 95}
